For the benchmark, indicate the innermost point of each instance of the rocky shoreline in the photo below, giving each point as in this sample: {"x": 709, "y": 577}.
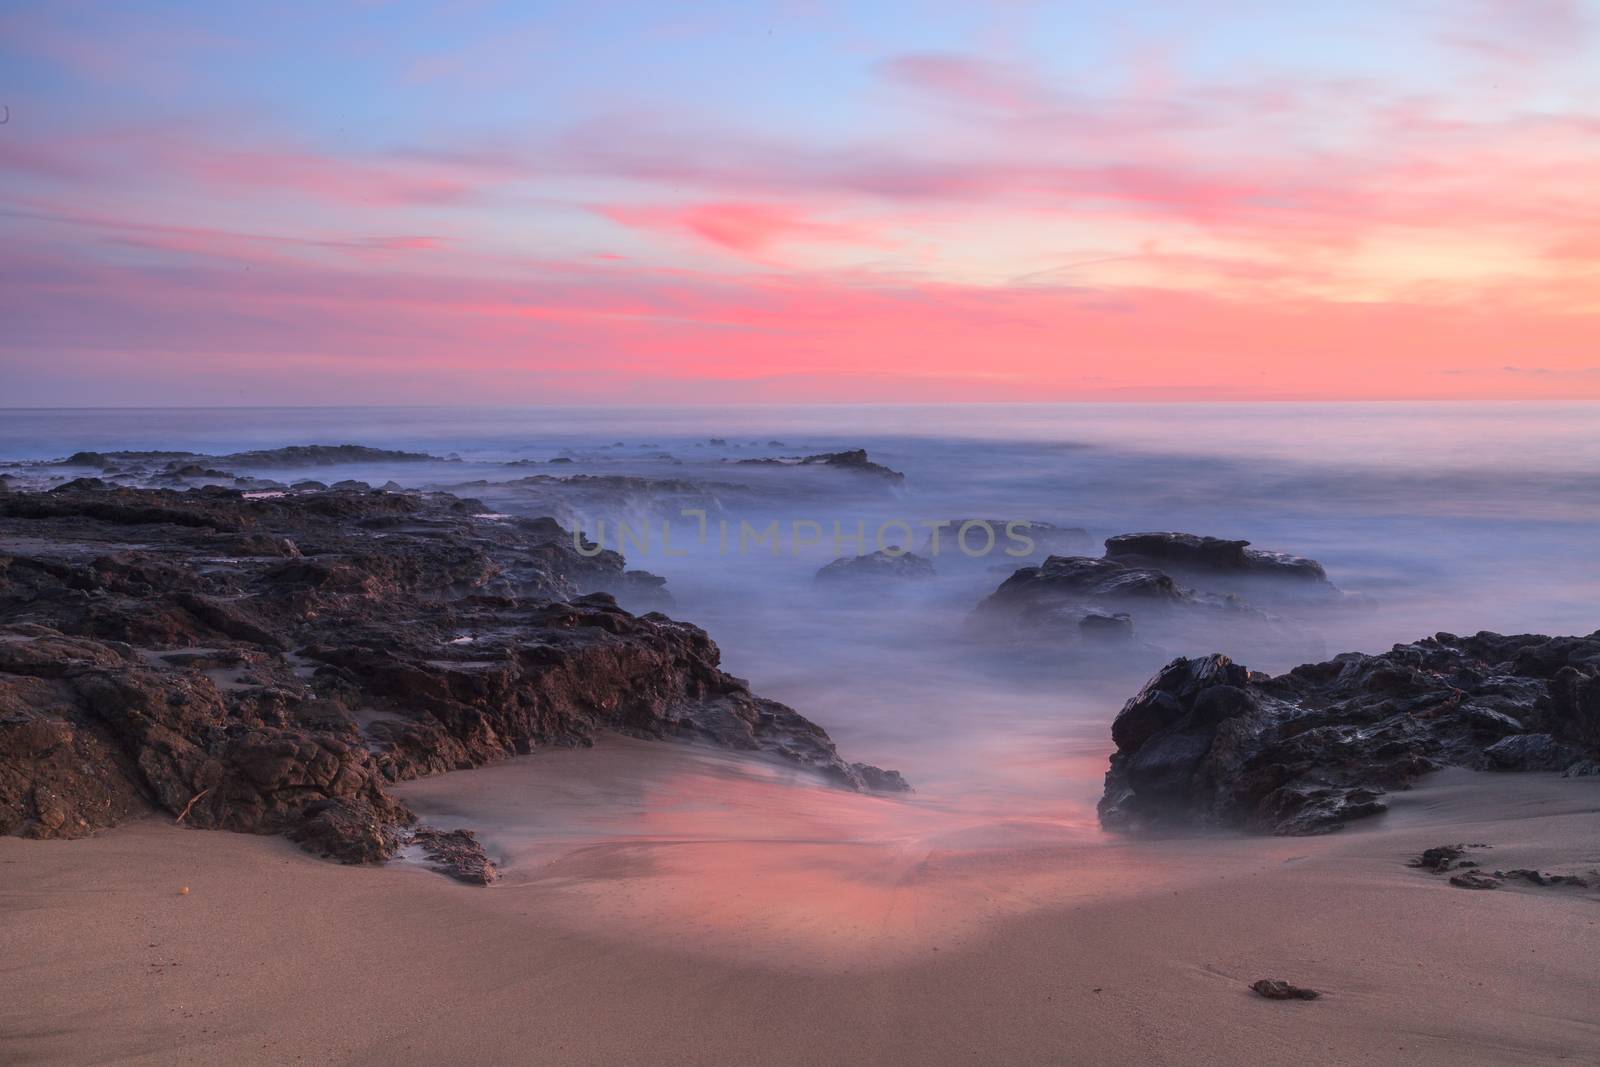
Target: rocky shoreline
{"x": 271, "y": 664}
{"x": 273, "y": 661}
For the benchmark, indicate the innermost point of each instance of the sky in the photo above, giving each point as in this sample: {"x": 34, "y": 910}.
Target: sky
{"x": 800, "y": 201}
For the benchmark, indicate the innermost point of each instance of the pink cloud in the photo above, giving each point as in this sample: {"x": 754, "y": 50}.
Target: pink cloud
{"x": 747, "y": 228}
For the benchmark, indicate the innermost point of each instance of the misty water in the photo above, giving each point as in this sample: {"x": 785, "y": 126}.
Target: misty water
{"x": 1429, "y": 517}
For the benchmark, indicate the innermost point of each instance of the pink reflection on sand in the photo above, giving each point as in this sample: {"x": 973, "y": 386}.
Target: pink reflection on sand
{"x": 700, "y": 850}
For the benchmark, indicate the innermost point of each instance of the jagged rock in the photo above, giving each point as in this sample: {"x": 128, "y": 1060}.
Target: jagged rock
{"x": 892, "y": 564}
{"x": 349, "y": 830}
{"x": 456, "y": 853}
{"x": 1206, "y": 741}
{"x": 1531, "y": 752}
{"x": 272, "y": 665}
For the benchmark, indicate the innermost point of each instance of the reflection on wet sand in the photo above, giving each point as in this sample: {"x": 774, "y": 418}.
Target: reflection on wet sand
{"x": 738, "y": 857}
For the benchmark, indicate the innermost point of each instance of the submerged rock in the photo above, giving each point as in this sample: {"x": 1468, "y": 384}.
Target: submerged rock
{"x": 892, "y": 564}
{"x": 1059, "y": 614}
{"x": 855, "y": 461}
{"x": 1208, "y": 742}
{"x": 1185, "y": 551}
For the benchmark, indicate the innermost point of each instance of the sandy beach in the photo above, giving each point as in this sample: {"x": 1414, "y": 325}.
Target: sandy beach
{"x": 691, "y": 938}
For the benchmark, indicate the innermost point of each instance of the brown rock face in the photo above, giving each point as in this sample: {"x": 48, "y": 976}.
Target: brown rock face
{"x": 272, "y": 665}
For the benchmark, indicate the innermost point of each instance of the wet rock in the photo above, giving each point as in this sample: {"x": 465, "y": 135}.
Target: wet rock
{"x": 196, "y": 470}
{"x": 1531, "y": 752}
{"x": 1278, "y": 989}
{"x": 272, "y": 665}
{"x": 78, "y": 485}
{"x": 892, "y": 564}
{"x": 321, "y": 456}
{"x": 855, "y": 461}
{"x": 1474, "y": 880}
{"x": 1207, "y": 742}
{"x": 1214, "y": 555}
{"x": 456, "y": 853}
{"x": 1540, "y": 878}
{"x": 1442, "y": 858}
{"x": 349, "y": 830}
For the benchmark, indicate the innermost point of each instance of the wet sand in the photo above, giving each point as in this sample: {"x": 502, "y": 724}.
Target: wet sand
{"x": 663, "y": 904}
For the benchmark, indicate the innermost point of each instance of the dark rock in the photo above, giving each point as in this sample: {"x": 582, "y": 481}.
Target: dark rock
{"x": 272, "y": 665}
{"x": 1206, "y": 742}
{"x": 78, "y": 485}
{"x": 321, "y": 456}
{"x": 1053, "y": 598}
{"x": 892, "y": 564}
{"x": 456, "y": 853}
{"x": 1278, "y": 989}
{"x": 855, "y": 461}
{"x": 1190, "y": 552}
{"x": 1539, "y": 878}
{"x": 1474, "y": 880}
{"x": 1442, "y": 858}
{"x": 195, "y": 470}
{"x": 350, "y": 830}
{"x": 1531, "y": 752}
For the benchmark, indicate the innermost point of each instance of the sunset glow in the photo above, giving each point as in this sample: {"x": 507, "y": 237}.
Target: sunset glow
{"x": 486, "y": 203}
